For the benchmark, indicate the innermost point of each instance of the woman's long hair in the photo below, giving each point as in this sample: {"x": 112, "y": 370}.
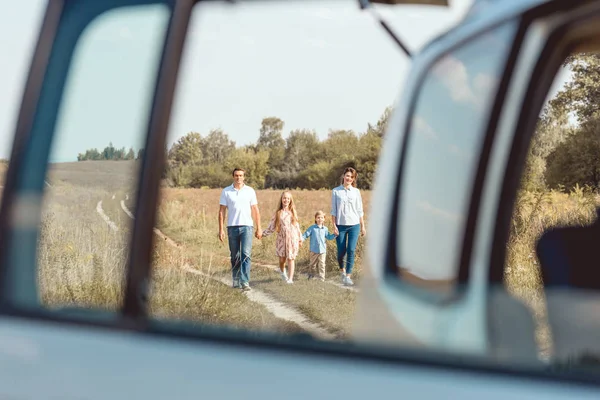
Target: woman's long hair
{"x": 354, "y": 175}
{"x": 292, "y": 208}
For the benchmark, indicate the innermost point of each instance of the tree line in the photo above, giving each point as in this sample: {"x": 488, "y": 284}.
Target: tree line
{"x": 300, "y": 160}
{"x": 110, "y": 153}
{"x": 565, "y": 150}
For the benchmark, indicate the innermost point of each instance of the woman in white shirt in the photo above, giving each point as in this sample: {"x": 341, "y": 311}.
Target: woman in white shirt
{"x": 348, "y": 222}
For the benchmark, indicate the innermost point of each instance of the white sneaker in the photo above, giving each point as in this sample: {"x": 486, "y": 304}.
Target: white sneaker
{"x": 348, "y": 281}
{"x": 343, "y": 276}
{"x": 284, "y": 275}
{"x": 289, "y": 281}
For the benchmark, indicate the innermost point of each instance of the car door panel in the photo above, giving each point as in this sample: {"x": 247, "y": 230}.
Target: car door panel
{"x": 59, "y": 356}
{"x": 65, "y": 361}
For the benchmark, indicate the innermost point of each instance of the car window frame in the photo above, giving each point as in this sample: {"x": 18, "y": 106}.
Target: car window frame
{"x": 50, "y": 66}
{"x": 390, "y": 273}
{"x": 557, "y": 47}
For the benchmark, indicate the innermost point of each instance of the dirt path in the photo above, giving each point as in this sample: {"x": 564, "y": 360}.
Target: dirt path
{"x": 277, "y": 308}
{"x": 331, "y": 282}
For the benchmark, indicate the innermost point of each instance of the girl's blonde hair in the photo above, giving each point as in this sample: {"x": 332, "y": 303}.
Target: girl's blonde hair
{"x": 317, "y": 214}
{"x": 292, "y": 208}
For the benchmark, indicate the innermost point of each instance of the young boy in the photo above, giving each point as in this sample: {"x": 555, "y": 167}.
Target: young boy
{"x": 318, "y": 233}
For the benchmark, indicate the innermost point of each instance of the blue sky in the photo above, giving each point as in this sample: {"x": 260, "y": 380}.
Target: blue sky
{"x": 317, "y": 65}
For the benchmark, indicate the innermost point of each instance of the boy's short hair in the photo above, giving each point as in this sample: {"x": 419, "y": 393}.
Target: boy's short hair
{"x": 317, "y": 214}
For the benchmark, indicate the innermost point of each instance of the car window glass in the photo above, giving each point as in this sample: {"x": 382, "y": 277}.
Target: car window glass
{"x": 94, "y": 161}
{"x": 442, "y": 154}
{"x": 551, "y": 256}
{"x": 293, "y": 92}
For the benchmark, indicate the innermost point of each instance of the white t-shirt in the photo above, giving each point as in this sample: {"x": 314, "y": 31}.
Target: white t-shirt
{"x": 239, "y": 203}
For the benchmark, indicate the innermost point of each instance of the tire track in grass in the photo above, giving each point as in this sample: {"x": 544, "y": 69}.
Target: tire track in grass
{"x": 275, "y": 307}
{"x": 105, "y": 217}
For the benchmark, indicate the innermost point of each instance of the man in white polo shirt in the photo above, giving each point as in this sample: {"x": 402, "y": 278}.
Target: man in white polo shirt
{"x": 239, "y": 200}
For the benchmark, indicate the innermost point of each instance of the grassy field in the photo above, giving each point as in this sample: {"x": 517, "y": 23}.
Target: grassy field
{"x": 82, "y": 261}
{"x": 190, "y": 217}
{"x": 534, "y": 213}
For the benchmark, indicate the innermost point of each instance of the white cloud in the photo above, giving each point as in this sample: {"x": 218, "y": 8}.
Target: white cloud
{"x": 484, "y": 83}
{"x": 455, "y": 77}
{"x": 423, "y": 128}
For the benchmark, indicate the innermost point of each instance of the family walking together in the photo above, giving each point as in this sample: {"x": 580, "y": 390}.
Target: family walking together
{"x": 240, "y": 203}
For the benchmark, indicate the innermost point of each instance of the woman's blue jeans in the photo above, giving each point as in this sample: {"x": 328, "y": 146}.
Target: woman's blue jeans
{"x": 346, "y": 245}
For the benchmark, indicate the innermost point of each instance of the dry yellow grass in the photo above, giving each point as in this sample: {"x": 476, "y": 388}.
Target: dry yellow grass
{"x": 534, "y": 213}
{"x": 82, "y": 263}
{"x": 190, "y": 217}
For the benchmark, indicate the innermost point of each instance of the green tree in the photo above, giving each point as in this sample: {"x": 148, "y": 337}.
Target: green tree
{"x": 302, "y": 149}
{"x": 552, "y": 129}
{"x": 187, "y": 150}
{"x": 581, "y": 95}
{"x": 271, "y": 130}
{"x": 90, "y": 154}
{"x": 576, "y": 161}
{"x": 369, "y": 147}
{"x": 340, "y": 145}
{"x": 317, "y": 176}
{"x": 271, "y": 140}
{"x": 216, "y": 147}
{"x": 381, "y": 125}
{"x": 253, "y": 162}
{"x": 211, "y": 175}
{"x": 109, "y": 152}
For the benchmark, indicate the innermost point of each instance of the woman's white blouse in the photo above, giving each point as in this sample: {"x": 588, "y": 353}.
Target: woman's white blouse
{"x": 346, "y": 205}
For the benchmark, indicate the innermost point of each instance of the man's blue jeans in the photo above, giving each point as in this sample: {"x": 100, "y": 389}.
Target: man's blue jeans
{"x": 240, "y": 247}
{"x": 346, "y": 245}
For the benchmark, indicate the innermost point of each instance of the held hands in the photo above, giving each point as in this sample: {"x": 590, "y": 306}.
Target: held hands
{"x": 335, "y": 231}
{"x": 258, "y": 234}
